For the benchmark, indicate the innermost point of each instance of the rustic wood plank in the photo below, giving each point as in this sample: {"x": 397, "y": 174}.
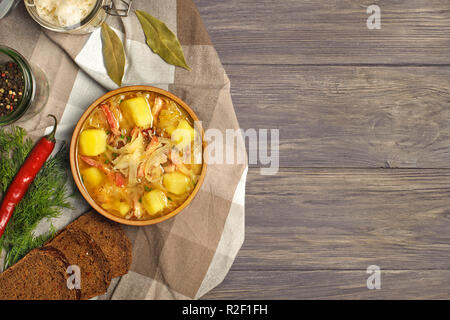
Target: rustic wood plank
{"x": 316, "y": 219}
{"x": 328, "y": 32}
{"x": 311, "y": 232}
{"x": 348, "y": 116}
{"x": 332, "y": 284}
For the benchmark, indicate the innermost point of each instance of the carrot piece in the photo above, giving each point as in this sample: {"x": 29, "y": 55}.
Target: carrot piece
{"x": 118, "y": 178}
{"x": 112, "y": 121}
{"x": 157, "y": 108}
{"x": 152, "y": 145}
{"x": 141, "y": 171}
{"x": 96, "y": 164}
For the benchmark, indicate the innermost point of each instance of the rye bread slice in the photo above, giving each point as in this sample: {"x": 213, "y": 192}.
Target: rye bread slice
{"x": 110, "y": 237}
{"x": 81, "y": 250}
{"x": 40, "y": 275}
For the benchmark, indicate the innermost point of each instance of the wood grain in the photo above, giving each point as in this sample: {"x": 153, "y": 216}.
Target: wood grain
{"x": 332, "y": 284}
{"x": 349, "y": 116}
{"x": 341, "y": 219}
{"x": 328, "y": 32}
{"x": 348, "y": 101}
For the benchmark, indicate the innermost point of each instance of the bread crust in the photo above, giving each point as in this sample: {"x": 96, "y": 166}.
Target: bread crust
{"x": 110, "y": 237}
{"x": 81, "y": 250}
{"x": 99, "y": 247}
{"x": 40, "y": 275}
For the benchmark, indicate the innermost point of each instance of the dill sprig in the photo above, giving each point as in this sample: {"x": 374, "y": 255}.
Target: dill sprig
{"x": 45, "y": 198}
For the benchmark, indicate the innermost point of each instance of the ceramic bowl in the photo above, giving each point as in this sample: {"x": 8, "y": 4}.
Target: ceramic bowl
{"x": 75, "y": 169}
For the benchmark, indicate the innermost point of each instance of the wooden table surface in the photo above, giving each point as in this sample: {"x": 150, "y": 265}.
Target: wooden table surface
{"x": 364, "y": 119}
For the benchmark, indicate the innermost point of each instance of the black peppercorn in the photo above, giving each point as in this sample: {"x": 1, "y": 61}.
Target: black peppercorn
{"x": 11, "y": 87}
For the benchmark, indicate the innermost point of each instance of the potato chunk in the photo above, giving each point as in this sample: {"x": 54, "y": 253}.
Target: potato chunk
{"x": 183, "y": 135}
{"x": 92, "y": 142}
{"x": 176, "y": 183}
{"x": 154, "y": 201}
{"x": 170, "y": 129}
{"x": 137, "y": 110}
{"x": 92, "y": 177}
{"x": 169, "y": 117}
{"x": 123, "y": 208}
{"x": 118, "y": 206}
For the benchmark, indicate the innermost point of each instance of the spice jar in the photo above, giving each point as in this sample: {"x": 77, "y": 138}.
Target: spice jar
{"x": 75, "y": 16}
{"x": 23, "y": 87}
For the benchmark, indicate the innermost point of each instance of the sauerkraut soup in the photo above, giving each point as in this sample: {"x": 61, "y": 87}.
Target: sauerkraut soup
{"x": 139, "y": 155}
{"x": 64, "y": 13}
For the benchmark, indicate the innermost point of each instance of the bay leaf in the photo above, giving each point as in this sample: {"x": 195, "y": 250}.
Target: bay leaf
{"x": 162, "y": 40}
{"x": 113, "y": 54}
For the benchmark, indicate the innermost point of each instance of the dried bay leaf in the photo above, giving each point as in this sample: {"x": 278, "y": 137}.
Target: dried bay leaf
{"x": 113, "y": 54}
{"x": 162, "y": 40}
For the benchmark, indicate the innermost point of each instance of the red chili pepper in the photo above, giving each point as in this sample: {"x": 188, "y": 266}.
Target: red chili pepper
{"x": 30, "y": 168}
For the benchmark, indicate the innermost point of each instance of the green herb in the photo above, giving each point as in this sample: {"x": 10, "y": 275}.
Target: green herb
{"x": 122, "y": 136}
{"x": 113, "y": 54}
{"x": 140, "y": 199}
{"x": 106, "y": 161}
{"x": 128, "y": 138}
{"x": 44, "y": 199}
{"x": 169, "y": 198}
{"x": 115, "y": 155}
{"x": 162, "y": 40}
{"x": 147, "y": 189}
{"x": 108, "y": 132}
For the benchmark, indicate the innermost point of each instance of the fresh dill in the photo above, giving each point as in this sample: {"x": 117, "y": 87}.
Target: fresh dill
{"x": 45, "y": 198}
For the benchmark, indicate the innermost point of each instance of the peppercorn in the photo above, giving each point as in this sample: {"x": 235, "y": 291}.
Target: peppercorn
{"x": 11, "y": 87}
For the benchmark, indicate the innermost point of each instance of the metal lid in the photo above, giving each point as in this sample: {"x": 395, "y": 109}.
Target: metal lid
{"x": 112, "y": 10}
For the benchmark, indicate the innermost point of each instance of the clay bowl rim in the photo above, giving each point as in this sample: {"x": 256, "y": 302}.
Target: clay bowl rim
{"x": 76, "y": 174}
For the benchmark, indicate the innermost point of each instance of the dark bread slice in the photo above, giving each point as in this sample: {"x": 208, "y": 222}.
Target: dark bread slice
{"x": 40, "y": 275}
{"x": 81, "y": 250}
{"x": 110, "y": 237}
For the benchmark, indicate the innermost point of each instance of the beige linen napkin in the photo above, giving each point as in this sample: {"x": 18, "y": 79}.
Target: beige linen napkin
{"x": 187, "y": 256}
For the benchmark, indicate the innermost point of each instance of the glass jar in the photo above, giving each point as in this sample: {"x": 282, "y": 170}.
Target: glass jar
{"x": 98, "y": 14}
{"x": 6, "y": 6}
{"x": 34, "y": 90}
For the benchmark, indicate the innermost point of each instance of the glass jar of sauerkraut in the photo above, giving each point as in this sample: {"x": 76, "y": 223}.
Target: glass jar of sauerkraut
{"x": 75, "y": 16}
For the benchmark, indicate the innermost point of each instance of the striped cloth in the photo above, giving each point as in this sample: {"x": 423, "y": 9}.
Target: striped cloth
{"x": 187, "y": 256}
